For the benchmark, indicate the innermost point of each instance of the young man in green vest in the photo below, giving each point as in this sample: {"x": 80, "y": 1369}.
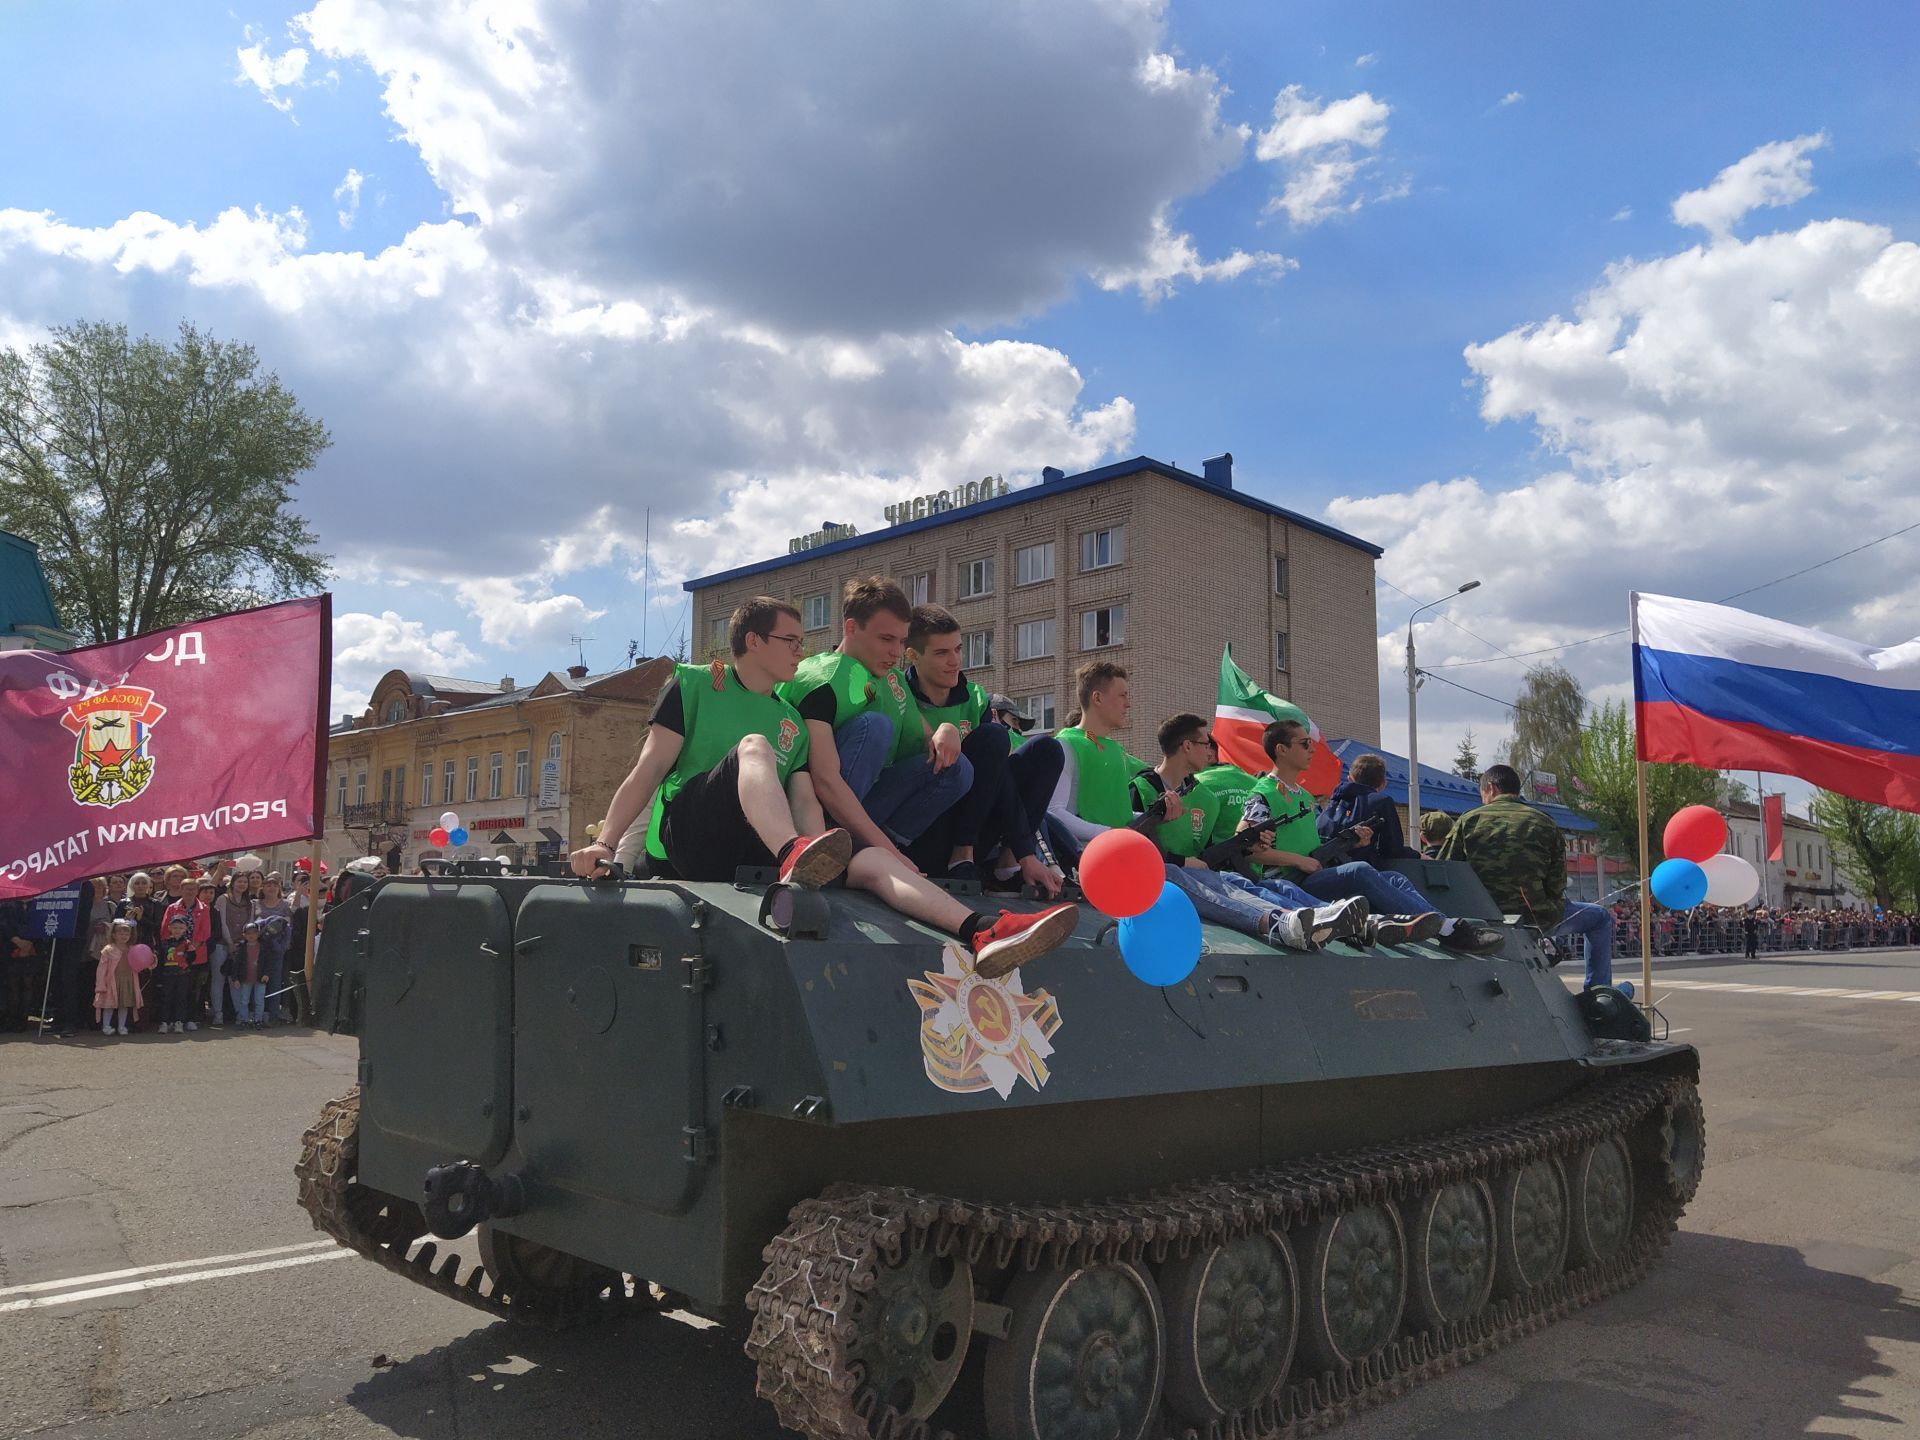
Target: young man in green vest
{"x": 1282, "y": 804}
{"x": 1283, "y": 916}
{"x": 726, "y": 765}
{"x": 878, "y": 767}
{"x": 1093, "y": 793}
{"x": 1230, "y": 786}
{"x": 996, "y": 824}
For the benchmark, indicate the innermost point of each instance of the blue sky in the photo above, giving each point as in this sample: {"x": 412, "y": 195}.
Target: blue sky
{"x": 716, "y": 261}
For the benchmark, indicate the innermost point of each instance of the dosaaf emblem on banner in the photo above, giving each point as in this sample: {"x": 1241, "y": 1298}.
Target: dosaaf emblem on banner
{"x": 93, "y": 779}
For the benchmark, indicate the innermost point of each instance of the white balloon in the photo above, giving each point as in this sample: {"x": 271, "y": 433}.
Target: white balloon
{"x": 247, "y": 864}
{"x": 449, "y": 820}
{"x": 1730, "y": 880}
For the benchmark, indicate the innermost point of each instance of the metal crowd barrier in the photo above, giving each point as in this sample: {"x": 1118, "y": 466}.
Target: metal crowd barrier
{"x": 1717, "y": 934}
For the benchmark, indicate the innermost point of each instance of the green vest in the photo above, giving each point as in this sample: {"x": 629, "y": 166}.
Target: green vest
{"x": 1104, "y": 768}
{"x": 1230, "y": 786}
{"x": 964, "y": 717}
{"x": 1193, "y": 831}
{"x": 1295, "y": 821}
{"x": 856, "y": 691}
{"x": 714, "y": 722}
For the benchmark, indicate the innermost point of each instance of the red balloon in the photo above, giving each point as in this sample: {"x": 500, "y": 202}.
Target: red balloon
{"x": 1696, "y": 833}
{"x": 437, "y": 836}
{"x": 1121, "y": 873}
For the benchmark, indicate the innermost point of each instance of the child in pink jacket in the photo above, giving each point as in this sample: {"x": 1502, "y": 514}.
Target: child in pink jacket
{"x": 116, "y": 985}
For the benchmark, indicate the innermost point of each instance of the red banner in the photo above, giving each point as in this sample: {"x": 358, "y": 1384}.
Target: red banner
{"x": 179, "y": 743}
{"x": 1773, "y": 812}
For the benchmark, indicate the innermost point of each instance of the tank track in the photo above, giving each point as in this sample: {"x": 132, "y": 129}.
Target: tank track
{"x": 807, "y": 1306}
{"x": 383, "y": 1229}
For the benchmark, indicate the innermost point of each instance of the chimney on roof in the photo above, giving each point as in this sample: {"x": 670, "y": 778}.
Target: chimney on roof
{"x": 576, "y": 672}
{"x": 506, "y": 683}
{"x": 347, "y": 721}
{"x": 1218, "y": 470}
{"x": 1051, "y": 474}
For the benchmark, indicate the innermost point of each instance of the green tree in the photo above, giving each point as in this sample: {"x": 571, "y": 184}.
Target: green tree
{"x": 1466, "y": 760}
{"x": 1548, "y": 716}
{"x": 1607, "y": 793}
{"x": 1877, "y": 850}
{"x": 156, "y": 479}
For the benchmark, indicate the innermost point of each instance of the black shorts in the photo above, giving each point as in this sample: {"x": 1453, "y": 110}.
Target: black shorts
{"x": 704, "y": 830}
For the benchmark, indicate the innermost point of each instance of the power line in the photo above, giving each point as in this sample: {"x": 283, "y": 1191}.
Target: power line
{"x": 1449, "y": 619}
{"x": 1509, "y": 704}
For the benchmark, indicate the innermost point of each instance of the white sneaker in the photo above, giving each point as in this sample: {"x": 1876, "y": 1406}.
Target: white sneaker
{"x": 107, "y": 1028}
{"x": 123, "y": 1027}
{"x": 193, "y": 1025}
{"x": 177, "y": 1027}
{"x": 1290, "y": 930}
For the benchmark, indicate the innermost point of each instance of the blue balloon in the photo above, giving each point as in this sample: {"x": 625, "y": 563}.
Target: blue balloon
{"x": 1679, "y": 884}
{"x": 1161, "y": 945}
{"x": 458, "y": 836}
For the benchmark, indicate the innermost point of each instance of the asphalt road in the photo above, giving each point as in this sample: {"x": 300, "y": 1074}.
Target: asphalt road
{"x": 1787, "y": 1305}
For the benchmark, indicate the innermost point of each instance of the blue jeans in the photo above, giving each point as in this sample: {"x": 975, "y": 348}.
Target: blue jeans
{"x": 216, "y": 980}
{"x": 242, "y": 994}
{"x": 902, "y": 799}
{"x": 1221, "y": 902}
{"x": 1278, "y": 893}
{"x": 1595, "y": 923}
{"x": 1387, "y": 892}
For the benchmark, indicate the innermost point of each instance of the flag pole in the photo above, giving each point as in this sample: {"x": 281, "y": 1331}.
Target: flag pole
{"x": 313, "y": 911}
{"x": 45, "y": 1017}
{"x": 1646, "y": 892}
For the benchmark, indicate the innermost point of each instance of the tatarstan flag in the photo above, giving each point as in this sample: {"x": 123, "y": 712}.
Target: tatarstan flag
{"x": 1244, "y": 710}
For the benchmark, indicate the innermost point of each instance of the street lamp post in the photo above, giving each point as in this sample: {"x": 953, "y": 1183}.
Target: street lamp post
{"x": 1413, "y": 714}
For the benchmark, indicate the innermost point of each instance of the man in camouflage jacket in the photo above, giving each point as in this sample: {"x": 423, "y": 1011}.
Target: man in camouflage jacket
{"x": 1517, "y": 852}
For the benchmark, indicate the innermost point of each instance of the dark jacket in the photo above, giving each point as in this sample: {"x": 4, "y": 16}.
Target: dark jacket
{"x": 1352, "y": 804}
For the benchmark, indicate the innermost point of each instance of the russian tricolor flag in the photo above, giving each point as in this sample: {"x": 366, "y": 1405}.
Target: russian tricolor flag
{"x": 1718, "y": 687}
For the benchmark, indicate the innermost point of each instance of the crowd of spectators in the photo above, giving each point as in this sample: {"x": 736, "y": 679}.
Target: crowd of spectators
{"x": 1718, "y": 930}
{"x": 167, "y": 950}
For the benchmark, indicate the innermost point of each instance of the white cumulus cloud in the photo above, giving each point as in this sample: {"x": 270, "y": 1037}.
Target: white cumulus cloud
{"x": 1724, "y": 416}
{"x": 270, "y": 74}
{"x": 513, "y": 615}
{"x": 1322, "y": 149}
{"x": 1173, "y": 257}
{"x": 1775, "y": 174}
{"x": 347, "y": 195}
{"x": 365, "y": 647}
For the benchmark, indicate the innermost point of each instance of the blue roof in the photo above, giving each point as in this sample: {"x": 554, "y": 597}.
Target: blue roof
{"x": 1029, "y": 493}
{"x": 1441, "y": 789}
{"x": 25, "y": 600}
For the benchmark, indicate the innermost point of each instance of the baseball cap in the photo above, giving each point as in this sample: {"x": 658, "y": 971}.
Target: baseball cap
{"x": 1002, "y": 704}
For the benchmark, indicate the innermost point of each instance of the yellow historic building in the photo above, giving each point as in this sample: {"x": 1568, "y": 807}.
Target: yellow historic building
{"x": 527, "y": 768}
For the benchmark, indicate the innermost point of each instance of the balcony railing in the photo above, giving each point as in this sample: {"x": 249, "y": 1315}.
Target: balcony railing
{"x": 379, "y": 813}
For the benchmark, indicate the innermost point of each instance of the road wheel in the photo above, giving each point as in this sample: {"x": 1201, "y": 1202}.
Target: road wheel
{"x": 1600, "y": 1191}
{"x": 1084, "y": 1359}
{"x": 1354, "y": 1286}
{"x": 1452, "y": 1245}
{"x": 1530, "y": 1206}
{"x": 1233, "y": 1316}
{"x": 915, "y": 1324}
{"x": 1674, "y": 1144}
{"x": 538, "y": 1276}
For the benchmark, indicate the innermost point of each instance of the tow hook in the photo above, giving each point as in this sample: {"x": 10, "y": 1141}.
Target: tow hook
{"x": 462, "y": 1195}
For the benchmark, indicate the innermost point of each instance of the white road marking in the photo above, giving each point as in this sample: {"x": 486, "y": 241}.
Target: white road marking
{"x": 1733, "y": 988}
{"x": 43, "y": 1286}
{"x": 156, "y": 1282}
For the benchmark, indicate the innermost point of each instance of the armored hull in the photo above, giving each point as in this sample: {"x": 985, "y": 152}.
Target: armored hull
{"x": 1056, "y": 1204}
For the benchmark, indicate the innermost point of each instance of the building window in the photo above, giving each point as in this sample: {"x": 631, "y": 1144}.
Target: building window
{"x": 426, "y": 783}
{"x": 386, "y": 786}
{"x": 342, "y": 807}
{"x": 493, "y": 776}
{"x": 976, "y": 578}
{"x": 1103, "y": 627}
{"x": 360, "y": 788}
{"x": 553, "y": 746}
{"x": 446, "y": 786}
{"x": 919, "y": 587}
{"x": 976, "y": 649}
{"x": 473, "y": 777}
{"x": 1039, "y": 709}
{"x": 813, "y": 612}
{"x": 400, "y": 784}
{"x": 396, "y": 711}
{"x": 522, "y": 770}
{"x": 1033, "y": 563}
{"x": 1101, "y": 548}
{"x": 1280, "y": 651}
{"x": 1033, "y": 639}
{"x": 717, "y": 634}
{"x": 1280, "y": 576}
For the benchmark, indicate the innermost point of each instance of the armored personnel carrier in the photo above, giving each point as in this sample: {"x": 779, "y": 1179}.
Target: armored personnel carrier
{"x": 1054, "y": 1205}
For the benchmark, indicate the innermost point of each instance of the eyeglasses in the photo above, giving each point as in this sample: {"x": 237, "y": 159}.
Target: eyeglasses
{"x": 793, "y": 642}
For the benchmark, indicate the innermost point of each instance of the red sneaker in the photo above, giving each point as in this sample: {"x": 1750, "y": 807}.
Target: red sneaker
{"x": 816, "y": 859}
{"x": 1014, "y": 939}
